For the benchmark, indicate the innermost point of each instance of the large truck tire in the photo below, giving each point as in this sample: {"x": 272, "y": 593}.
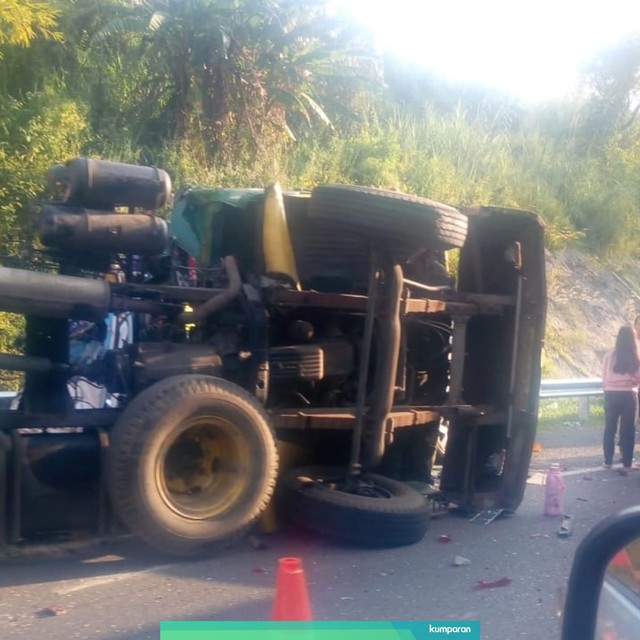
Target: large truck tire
{"x": 384, "y": 513}
{"x": 192, "y": 464}
{"x": 389, "y": 217}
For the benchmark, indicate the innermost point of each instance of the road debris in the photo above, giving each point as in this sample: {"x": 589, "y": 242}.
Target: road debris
{"x": 461, "y": 561}
{"x": 444, "y": 538}
{"x": 438, "y": 502}
{"x": 502, "y": 582}
{"x": 259, "y": 570}
{"x": 50, "y": 612}
{"x": 565, "y": 529}
{"x": 565, "y": 526}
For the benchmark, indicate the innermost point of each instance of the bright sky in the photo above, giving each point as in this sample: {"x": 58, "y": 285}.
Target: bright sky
{"x": 532, "y": 50}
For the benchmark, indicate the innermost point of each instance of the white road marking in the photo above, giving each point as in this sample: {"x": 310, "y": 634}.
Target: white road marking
{"x": 576, "y": 472}
{"x": 539, "y": 476}
{"x": 98, "y": 581}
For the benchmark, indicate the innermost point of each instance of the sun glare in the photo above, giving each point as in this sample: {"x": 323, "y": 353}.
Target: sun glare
{"x": 532, "y": 50}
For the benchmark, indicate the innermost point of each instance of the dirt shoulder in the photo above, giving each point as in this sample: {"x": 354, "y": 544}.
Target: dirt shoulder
{"x": 588, "y": 300}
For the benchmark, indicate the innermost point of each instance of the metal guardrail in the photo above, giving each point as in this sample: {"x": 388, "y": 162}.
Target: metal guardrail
{"x": 571, "y": 388}
{"x": 581, "y": 388}
{"x": 5, "y": 399}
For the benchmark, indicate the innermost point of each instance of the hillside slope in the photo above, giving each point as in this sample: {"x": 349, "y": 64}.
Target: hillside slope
{"x": 588, "y": 300}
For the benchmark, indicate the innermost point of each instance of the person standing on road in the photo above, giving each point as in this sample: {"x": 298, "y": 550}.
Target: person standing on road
{"x": 636, "y": 328}
{"x": 620, "y": 381}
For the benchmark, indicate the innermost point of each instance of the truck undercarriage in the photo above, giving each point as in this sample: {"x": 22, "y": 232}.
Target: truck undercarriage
{"x": 166, "y": 365}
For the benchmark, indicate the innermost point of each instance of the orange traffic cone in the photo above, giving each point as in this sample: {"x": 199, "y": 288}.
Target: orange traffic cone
{"x": 292, "y": 599}
{"x": 621, "y": 559}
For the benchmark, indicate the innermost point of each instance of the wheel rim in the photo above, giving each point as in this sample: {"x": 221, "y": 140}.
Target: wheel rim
{"x": 367, "y": 489}
{"x": 202, "y": 471}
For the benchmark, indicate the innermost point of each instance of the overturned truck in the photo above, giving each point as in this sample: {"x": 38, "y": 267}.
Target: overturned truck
{"x": 167, "y": 364}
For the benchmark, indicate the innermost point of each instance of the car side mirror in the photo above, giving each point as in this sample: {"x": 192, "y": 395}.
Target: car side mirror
{"x": 603, "y": 594}
{"x": 619, "y": 606}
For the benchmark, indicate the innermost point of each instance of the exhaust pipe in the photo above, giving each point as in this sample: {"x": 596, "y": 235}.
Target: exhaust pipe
{"x": 388, "y": 353}
{"x": 53, "y": 296}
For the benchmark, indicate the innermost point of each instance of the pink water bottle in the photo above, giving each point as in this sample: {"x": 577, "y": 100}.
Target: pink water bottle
{"x": 554, "y": 487}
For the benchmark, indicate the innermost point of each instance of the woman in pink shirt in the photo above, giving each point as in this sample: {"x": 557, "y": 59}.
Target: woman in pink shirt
{"x": 620, "y": 381}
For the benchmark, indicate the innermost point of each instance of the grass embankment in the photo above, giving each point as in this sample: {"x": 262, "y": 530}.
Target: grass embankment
{"x": 554, "y": 413}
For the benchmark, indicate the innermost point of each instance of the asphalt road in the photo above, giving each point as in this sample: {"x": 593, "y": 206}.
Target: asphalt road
{"x": 122, "y": 590}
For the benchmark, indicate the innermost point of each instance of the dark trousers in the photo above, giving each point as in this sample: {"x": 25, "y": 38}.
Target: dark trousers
{"x": 620, "y": 407}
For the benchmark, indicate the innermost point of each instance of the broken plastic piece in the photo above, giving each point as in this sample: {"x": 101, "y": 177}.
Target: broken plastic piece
{"x": 565, "y": 526}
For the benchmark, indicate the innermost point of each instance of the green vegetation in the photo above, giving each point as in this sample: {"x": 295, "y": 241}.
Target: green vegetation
{"x": 242, "y": 92}
{"x": 554, "y": 412}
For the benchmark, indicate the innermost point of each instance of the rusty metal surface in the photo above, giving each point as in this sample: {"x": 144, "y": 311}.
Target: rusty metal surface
{"x": 458, "y": 303}
{"x": 399, "y": 416}
{"x": 337, "y": 301}
{"x": 424, "y": 305}
{"x": 480, "y": 299}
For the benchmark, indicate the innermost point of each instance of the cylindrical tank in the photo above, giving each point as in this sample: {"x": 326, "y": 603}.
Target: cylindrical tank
{"x": 53, "y": 296}
{"x": 100, "y": 184}
{"x": 97, "y": 232}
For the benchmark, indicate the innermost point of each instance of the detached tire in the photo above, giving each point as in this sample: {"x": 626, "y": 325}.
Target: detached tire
{"x": 387, "y": 513}
{"x": 192, "y": 463}
{"x": 390, "y": 217}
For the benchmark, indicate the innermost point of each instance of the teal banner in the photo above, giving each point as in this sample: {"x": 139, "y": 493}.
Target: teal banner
{"x": 422, "y": 630}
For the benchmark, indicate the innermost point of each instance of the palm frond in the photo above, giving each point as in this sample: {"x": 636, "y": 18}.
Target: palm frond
{"x": 119, "y": 26}
{"x": 316, "y": 108}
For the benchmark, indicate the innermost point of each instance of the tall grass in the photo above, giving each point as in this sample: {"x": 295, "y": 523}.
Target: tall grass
{"x": 554, "y": 413}
{"x": 536, "y": 163}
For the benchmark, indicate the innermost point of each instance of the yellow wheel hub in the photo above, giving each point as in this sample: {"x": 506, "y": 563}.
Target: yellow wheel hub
{"x": 205, "y": 469}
